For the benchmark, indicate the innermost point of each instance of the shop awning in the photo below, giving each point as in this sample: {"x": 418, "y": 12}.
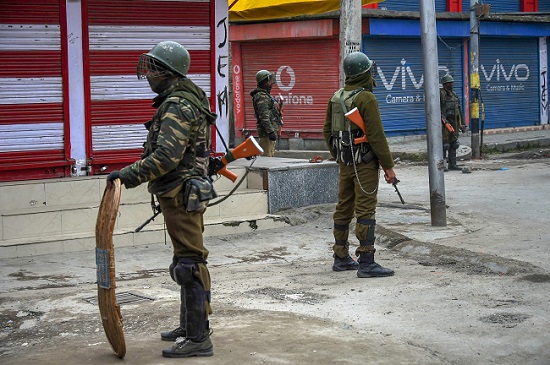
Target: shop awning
{"x": 273, "y": 9}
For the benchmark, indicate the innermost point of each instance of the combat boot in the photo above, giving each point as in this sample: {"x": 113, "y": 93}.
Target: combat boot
{"x": 173, "y": 335}
{"x": 186, "y": 347}
{"x": 370, "y": 269}
{"x": 343, "y": 264}
{"x": 373, "y": 270}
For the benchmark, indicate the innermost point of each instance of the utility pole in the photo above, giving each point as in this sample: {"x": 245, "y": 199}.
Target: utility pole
{"x": 474, "y": 79}
{"x": 350, "y": 31}
{"x": 433, "y": 113}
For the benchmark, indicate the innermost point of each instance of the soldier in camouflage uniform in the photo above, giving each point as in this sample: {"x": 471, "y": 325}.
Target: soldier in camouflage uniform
{"x": 358, "y": 165}
{"x": 175, "y": 163}
{"x": 451, "y": 112}
{"x": 267, "y": 111}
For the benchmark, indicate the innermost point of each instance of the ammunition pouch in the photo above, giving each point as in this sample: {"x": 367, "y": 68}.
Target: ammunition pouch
{"x": 348, "y": 153}
{"x": 198, "y": 191}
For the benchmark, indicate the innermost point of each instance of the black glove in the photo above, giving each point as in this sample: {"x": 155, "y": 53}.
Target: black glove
{"x": 113, "y": 176}
{"x": 272, "y": 136}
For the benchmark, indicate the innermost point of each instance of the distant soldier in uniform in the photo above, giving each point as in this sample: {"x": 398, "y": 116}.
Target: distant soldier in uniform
{"x": 268, "y": 112}
{"x": 451, "y": 113}
{"x": 358, "y": 165}
{"x": 175, "y": 158}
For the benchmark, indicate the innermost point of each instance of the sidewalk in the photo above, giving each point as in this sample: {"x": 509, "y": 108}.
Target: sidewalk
{"x": 415, "y": 147}
{"x": 502, "y": 140}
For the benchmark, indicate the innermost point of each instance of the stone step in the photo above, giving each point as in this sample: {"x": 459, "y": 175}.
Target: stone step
{"x": 63, "y": 212}
{"x": 153, "y": 233}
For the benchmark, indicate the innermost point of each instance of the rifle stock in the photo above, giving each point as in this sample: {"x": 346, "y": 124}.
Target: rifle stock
{"x": 355, "y": 117}
{"x": 248, "y": 148}
{"x": 447, "y": 125}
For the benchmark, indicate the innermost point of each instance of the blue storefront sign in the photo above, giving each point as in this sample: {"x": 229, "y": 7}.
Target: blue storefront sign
{"x": 400, "y": 79}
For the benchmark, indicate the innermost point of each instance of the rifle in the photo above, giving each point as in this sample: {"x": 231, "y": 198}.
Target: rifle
{"x": 395, "y": 182}
{"x": 156, "y": 211}
{"x": 217, "y": 166}
{"x": 355, "y": 117}
{"x": 447, "y": 125}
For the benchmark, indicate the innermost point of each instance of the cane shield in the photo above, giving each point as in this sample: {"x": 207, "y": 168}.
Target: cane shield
{"x": 105, "y": 262}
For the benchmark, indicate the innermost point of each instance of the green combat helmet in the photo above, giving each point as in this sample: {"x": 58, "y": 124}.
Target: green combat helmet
{"x": 262, "y": 75}
{"x": 446, "y": 79}
{"x": 166, "y": 55}
{"x": 356, "y": 63}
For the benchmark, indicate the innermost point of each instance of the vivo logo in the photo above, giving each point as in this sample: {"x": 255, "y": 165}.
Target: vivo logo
{"x": 520, "y": 72}
{"x": 404, "y": 75}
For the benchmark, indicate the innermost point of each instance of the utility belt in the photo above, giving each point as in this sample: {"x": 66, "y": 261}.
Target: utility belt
{"x": 348, "y": 153}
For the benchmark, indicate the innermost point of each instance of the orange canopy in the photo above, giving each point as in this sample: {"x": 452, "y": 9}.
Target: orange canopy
{"x": 272, "y": 9}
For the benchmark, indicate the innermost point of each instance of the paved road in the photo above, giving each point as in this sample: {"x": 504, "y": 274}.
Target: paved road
{"x": 474, "y": 292}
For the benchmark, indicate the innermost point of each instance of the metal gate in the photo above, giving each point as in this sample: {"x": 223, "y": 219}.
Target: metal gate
{"x": 118, "y": 33}
{"x": 400, "y": 79}
{"x": 33, "y": 121}
{"x": 509, "y": 76}
{"x": 307, "y": 76}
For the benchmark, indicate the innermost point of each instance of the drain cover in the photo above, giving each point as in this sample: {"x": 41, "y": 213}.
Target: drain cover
{"x": 123, "y": 298}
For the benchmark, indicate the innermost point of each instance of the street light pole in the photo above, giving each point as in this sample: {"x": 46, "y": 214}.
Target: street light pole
{"x": 433, "y": 113}
{"x": 474, "y": 79}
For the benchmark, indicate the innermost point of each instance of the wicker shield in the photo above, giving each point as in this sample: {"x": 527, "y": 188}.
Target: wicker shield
{"x": 105, "y": 262}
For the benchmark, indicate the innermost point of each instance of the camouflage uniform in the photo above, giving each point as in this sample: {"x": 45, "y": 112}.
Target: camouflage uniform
{"x": 178, "y": 148}
{"x": 352, "y": 200}
{"x": 268, "y": 118}
{"x": 451, "y": 111}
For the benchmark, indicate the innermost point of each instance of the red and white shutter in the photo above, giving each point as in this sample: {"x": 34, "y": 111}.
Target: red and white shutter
{"x": 118, "y": 33}
{"x": 307, "y": 76}
{"x": 33, "y": 125}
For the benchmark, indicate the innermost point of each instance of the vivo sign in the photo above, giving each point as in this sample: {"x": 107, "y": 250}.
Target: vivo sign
{"x": 509, "y": 79}
{"x": 404, "y": 74}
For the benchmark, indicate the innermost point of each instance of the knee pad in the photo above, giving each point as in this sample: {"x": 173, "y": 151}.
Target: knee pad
{"x": 183, "y": 273}
{"x": 455, "y": 145}
{"x": 446, "y": 146}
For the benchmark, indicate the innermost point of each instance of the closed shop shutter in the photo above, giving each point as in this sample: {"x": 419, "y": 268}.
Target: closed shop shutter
{"x": 307, "y": 76}
{"x": 509, "y": 76}
{"x": 400, "y": 79}
{"x": 410, "y": 5}
{"x": 32, "y": 114}
{"x": 118, "y": 33}
{"x": 505, "y": 6}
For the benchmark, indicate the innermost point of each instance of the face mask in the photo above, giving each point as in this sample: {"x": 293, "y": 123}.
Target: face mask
{"x": 158, "y": 83}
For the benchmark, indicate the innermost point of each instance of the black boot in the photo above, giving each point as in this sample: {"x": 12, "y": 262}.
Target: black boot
{"x": 343, "y": 264}
{"x": 373, "y": 270}
{"x": 173, "y": 335}
{"x": 186, "y": 347}
{"x": 453, "y": 166}
{"x": 370, "y": 269}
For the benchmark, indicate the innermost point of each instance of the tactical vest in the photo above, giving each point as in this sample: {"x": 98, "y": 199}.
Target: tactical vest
{"x": 450, "y": 105}
{"x": 344, "y": 131}
{"x": 196, "y": 156}
{"x": 274, "y": 112}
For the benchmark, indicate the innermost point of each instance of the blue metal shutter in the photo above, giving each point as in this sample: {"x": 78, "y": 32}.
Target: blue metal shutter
{"x": 400, "y": 79}
{"x": 410, "y": 5}
{"x": 544, "y": 6}
{"x": 503, "y": 6}
{"x": 509, "y": 76}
